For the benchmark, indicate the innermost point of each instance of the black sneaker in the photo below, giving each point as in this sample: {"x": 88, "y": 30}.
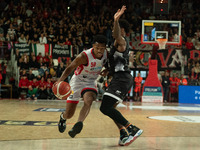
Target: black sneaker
{"x": 62, "y": 124}
{"x": 76, "y": 129}
{"x": 123, "y": 137}
{"x": 134, "y": 133}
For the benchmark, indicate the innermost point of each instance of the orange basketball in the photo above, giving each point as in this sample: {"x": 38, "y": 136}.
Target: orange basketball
{"x": 62, "y": 90}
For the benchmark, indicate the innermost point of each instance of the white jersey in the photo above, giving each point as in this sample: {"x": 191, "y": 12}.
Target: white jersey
{"x": 85, "y": 76}
{"x": 93, "y": 68}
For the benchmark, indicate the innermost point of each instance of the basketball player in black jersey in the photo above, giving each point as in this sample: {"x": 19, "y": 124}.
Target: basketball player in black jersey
{"x": 121, "y": 82}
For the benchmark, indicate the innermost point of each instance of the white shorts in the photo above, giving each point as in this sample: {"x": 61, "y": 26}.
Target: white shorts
{"x": 79, "y": 87}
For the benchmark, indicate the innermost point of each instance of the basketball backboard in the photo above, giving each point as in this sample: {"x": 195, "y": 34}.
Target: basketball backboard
{"x": 164, "y": 29}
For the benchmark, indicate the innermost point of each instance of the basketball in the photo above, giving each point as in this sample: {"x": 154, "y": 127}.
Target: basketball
{"x": 62, "y": 90}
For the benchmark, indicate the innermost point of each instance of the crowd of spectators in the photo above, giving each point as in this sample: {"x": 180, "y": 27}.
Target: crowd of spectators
{"x": 75, "y": 22}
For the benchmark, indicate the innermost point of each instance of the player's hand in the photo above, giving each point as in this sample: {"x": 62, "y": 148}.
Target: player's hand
{"x": 104, "y": 73}
{"x": 119, "y": 13}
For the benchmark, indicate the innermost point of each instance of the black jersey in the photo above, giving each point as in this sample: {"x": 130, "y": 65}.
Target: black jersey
{"x": 119, "y": 61}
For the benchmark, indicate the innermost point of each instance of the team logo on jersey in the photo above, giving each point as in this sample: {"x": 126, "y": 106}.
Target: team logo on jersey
{"x": 93, "y": 64}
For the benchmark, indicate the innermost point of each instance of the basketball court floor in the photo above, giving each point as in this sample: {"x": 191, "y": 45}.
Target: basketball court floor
{"x": 32, "y": 125}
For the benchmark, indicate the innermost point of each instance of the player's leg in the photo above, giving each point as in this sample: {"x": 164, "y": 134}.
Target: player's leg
{"x": 69, "y": 112}
{"x": 122, "y": 131}
{"x": 119, "y": 87}
{"x": 88, "y": 98}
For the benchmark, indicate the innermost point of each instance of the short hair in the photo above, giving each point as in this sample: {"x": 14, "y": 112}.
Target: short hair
{"x": 100, "y": 39}
{"x": 124, "y": 24}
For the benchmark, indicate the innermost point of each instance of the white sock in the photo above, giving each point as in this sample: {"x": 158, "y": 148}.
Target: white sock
{"x": 62, "y": 116}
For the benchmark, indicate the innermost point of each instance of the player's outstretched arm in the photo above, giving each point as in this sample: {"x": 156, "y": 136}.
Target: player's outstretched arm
{"x": 81, "y": 59}
{"x": 116, "y": 29}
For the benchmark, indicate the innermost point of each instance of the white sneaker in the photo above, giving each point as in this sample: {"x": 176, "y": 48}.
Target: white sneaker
{"x": 132, "y": 138}
{"x": 123, "y": 141}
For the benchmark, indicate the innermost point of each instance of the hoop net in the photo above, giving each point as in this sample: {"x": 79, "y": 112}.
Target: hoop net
{"x": 161, "y": 43}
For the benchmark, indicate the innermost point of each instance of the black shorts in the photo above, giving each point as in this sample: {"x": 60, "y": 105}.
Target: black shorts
{"x": 120, "y": 85}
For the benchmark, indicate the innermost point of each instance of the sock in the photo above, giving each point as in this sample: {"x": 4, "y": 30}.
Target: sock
{"x": 61, "y": 116}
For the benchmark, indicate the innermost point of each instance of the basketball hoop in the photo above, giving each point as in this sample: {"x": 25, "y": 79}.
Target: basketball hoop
{"x": 161, "y": 43}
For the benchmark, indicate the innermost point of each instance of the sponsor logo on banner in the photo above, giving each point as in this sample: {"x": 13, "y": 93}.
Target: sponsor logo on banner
{"x": 189, "y": 94}
{"x": 152, "y": 94}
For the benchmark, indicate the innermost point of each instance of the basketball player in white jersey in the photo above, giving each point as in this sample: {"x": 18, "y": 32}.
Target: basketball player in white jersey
{"x": 88, "y": 65}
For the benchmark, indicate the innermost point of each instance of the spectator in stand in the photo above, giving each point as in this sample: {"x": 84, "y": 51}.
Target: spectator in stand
{"x": 41, "y": 70}
{"x": 28, "y": 40}
{"x": 25, "y": 62}
{"x": 52, "y": 71}
{"x": 23, "y": 72}
{"x": 38, "y": 57}
{"x": 165, "y": 84}
{"x": 31, "y": 56}
{"x": 46, "y": 59}
{"x": 20, "y": 63}
{"x": 60, "y": 69}
{"x": 34, "y": 83}
{"x": 87, "y": 42}
{"x": 42, "y": 39}
{"x": 23, "y": 84}
{"x": 32, "y": 93}
{"x": 22, "y": 39}
{"x": 30, "y": 75}
{"x": 192, "y": 81}
{"x": 35, "y": 39}
{"x": 42, "y": 89}
{"x": 61, "y": 40}
{"x": 11, "y": 32}
{"x": 189, "y": 45}
{"x": 67, "y": 42}
{"x": 51, "y": 38}
{"x": 47, "y": 75}
{"x": 51, "y": 63}
{"x": 34, "y": 64}
{"x": 49, "y": 86}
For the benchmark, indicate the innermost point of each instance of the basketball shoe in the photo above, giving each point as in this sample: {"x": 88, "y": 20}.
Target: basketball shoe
{"x": 62, "y": 124}
{"x": 134, "y": 133}
{"x": 76, "y": 129}
{"x": 123, "y": 137}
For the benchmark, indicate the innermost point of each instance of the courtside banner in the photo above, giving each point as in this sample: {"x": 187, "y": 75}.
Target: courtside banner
{"x": 152, "y": 94}
{"x": 189, "y": 94}
{"x": 22, "y": 48}
{"x": 61, "y": 51}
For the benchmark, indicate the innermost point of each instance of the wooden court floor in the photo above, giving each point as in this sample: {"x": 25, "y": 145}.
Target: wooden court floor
{"x": 32, "y": 125}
